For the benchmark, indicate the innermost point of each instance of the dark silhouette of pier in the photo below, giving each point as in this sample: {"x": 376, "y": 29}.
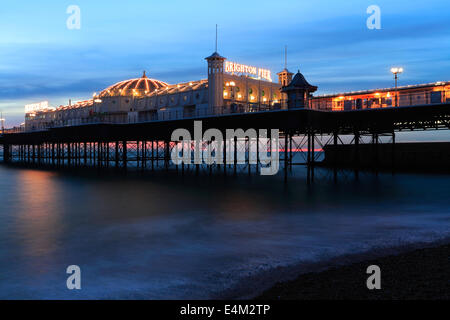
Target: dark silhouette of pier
{"x": 148, "y": 145}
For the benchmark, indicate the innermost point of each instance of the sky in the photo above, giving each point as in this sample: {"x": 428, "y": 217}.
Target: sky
{"x": 328, "y": 41}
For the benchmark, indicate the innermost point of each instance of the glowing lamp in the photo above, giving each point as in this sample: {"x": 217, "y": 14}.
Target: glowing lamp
{"x": 396, "y": 70}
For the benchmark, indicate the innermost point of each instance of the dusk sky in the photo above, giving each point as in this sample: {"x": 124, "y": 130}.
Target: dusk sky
{"x": 40, "y": 59}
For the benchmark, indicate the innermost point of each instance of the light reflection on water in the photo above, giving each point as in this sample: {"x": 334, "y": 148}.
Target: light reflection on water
{"x": 169, "y": 237}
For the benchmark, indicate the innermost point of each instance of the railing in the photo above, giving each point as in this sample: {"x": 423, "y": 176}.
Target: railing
{"x": 344, "y": 103}
{"x": 12, "y": 130}
{"x": 134, "y": 117}
{"x": 379, "y": 100}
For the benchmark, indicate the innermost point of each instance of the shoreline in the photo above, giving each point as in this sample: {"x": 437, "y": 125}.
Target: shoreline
{"x": 319, "y": 280}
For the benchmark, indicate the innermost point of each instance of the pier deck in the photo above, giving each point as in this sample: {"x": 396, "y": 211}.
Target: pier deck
{"x": 106, "y": 144}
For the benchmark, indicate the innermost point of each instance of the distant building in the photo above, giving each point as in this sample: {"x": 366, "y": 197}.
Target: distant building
{"x": 411, "y": 95}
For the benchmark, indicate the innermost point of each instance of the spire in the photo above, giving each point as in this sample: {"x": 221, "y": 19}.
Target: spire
{"x": 285, "y": 57}
{"x": 215, "y": 55}
{"x": 144, "y": 75}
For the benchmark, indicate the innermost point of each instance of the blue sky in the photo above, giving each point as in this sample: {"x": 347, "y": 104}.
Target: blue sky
{"x": 40, "y": 59}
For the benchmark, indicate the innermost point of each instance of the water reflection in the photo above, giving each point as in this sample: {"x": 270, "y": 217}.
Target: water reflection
{"x": 165, "y": 236}
{"x": 39, "y": 220}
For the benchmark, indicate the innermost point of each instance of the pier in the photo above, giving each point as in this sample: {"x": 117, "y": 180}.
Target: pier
{"x": 148, "y": 145}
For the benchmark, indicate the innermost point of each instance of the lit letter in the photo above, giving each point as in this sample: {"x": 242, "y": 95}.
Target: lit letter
{"x": 374, "y": 21}
{"x": 374, "y": 281}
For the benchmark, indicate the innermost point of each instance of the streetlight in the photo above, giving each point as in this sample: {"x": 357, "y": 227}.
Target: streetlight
{"x": 2, "y": 120}
{"x": 396, "y": 71}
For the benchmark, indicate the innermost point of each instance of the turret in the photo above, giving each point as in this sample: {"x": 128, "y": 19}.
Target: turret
{"x": 284, "y": 77}
{"x": 298, "y": 92}
{"x": 215, "y": 80}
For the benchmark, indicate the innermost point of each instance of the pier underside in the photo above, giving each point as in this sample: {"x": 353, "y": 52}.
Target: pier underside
{"x": 149, "y": 145}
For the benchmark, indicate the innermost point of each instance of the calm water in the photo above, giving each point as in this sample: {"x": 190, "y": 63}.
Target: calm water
{"x": 168, "y": 237}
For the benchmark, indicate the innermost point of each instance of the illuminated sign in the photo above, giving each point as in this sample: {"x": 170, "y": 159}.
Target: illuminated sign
{"x": 232, "y": 67}
{"x": 34, "y": 107}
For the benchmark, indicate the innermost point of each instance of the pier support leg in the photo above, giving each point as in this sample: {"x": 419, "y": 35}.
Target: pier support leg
{"x": 116, "y": 154}
{"x": 6, "y": 153}
{"x": 166, "y": 154}
{"x": 393, "y": 150}
{"x": 53, "y": 154}
{"x": 69, "y": 154}
{"x": 257, "y": 151}
{"x": 224, "y": 154}
{"x": 85, "y": 154}
{"x": 124, "y": 155}
{"x": 286, "y": 137}
{"x": 335, "y": 143}
{"x": 313, "y": 154}
{"x": 153, "y": 156}
{"x": 356, "y": 159}
{"x": 235, "y": 155}
{"x": 290, "y": 152}
{"x": 39, "y": 155}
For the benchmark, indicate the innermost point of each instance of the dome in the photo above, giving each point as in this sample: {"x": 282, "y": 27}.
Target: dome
{"x": 132, "y": 87}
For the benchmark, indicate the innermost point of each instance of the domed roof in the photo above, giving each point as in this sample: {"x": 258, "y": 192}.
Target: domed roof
{"x": 132, "y": 87}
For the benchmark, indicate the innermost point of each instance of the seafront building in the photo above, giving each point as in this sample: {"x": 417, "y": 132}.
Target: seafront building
{"x": 229, "y": 88}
